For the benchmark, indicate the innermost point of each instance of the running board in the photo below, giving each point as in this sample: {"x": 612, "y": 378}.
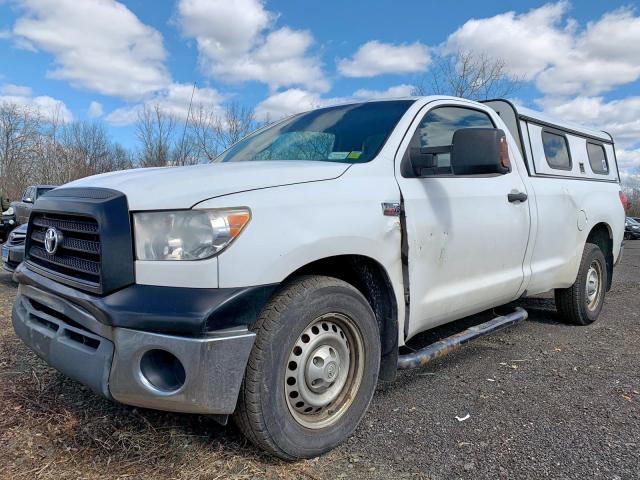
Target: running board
{"x": 447, "y": 345}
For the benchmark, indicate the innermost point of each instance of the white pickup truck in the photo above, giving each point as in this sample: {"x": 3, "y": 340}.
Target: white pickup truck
{"x": 279, "y": 283}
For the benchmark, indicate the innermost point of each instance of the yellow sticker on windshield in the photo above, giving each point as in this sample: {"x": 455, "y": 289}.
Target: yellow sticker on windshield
{"x": 354, "y": 155}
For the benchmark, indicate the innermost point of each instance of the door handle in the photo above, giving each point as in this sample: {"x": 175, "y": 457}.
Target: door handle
{"x": 517, "y": 197}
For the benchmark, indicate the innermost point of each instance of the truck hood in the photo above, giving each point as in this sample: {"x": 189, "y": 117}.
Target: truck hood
{"x": 184, "y": 187}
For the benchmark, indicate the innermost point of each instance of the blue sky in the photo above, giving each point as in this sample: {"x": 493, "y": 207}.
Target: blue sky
{"x": 102, "y": 59}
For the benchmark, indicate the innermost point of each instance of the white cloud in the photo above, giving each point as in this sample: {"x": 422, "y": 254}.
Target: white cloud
{"x": 563, "y": 59}
{"x": 19, "y": 90}
{"x": 237, "y": 42}
{"x": 527, "y": 43}
{"x": 402, "y": 90}
{"x": 95, "y": 110}
{"x": 99, "y": 45}
{"x": 48, "y": 106}
{"x": 377, "y": 58}
{"x": 293, "y": 101}
{"x": 602, "y": 57}
{"x": 280, "y": 62}
{"x": 223, "y": 28}
{"x": 173, "y": 101}
{"x": 628, "y": 160}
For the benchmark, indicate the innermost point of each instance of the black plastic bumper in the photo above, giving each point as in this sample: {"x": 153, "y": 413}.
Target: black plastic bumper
{"x": 76, "y": 352}
{"x": 162, "y": 309}
{"x": 16, "y": 255}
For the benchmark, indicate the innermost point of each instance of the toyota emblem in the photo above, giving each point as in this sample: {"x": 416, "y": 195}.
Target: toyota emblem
{"x": 52, "y": 240}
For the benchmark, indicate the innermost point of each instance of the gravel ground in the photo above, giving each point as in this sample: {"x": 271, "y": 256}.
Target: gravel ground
{"x": 543, "y": 400}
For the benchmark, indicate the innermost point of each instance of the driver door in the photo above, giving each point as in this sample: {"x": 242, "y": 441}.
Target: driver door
{"x": 466, "y": 241}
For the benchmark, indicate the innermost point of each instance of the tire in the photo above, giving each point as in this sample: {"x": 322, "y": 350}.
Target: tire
{"x": 579, "y": 304}
{"x": 322, "y": 311}
{"x": 627, "y": 236}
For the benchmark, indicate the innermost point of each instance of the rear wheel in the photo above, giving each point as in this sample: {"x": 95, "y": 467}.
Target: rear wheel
{"x": 313, "y": 368}
{"x": 581, "y": 303}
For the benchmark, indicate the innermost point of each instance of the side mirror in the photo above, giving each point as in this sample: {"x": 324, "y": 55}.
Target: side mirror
{"x": 28, "y": 200}
{"x": 476, "y": 151}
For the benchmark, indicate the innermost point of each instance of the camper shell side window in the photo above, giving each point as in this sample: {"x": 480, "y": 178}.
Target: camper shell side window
{"x": 556, "y": 149}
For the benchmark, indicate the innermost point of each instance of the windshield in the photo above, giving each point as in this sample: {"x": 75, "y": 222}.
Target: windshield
{"x": 348, "y": 133}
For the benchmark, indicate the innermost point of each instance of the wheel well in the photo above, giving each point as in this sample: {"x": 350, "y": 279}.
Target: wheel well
{"x": 371, "y": 279}
{"x": 600, "y": 235}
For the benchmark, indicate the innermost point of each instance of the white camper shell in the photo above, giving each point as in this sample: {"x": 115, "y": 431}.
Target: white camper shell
{"x": 590, "y": 153}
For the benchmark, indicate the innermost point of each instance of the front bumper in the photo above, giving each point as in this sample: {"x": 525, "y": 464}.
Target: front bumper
{"x": 15, "y": 257}
{"x": 109, "y": 359}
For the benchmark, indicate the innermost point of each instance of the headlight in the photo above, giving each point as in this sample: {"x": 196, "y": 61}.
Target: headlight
{"x": 9, "y": 211}
{"x": 187, "y": 234}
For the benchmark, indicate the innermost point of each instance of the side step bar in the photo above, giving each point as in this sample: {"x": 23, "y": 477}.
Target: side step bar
{"x": 447, "y": 345}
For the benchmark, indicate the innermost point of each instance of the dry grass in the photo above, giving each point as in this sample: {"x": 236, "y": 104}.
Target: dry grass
{"x": 51, "y": 427}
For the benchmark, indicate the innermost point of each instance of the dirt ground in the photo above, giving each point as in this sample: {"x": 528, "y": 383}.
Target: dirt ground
{"x": 544, "y": 400}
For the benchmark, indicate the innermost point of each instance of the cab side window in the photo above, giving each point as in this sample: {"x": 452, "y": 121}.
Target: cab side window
{"x": 437, "y": 127}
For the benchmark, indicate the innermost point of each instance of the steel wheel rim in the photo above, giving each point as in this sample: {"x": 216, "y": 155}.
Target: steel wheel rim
{"x": 324, "y": 371}
{"x": 594, "y": 285}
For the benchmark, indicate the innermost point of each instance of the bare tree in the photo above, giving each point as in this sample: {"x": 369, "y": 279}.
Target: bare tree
{"x": 19, "y": 133}
{"x": 631, "y": 187}
{"x": 43, "y": 149}
{"x": 85, "y": 150}
{"x": 214, "y": 130}
{"x": 156, "y": 132}
{"x": 119, "y": 158}
{"x": 468, "y": 75}
{"x": 49, "y": 168}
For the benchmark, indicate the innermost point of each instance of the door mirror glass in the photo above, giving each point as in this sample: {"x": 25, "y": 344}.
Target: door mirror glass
{"x": 477, "y": 151}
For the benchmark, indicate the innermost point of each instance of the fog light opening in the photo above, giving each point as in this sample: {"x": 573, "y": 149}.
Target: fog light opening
{"x": 162, "y": 370}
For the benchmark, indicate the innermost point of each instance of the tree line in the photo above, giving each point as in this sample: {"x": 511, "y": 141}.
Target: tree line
{"x": 39, "y": 148}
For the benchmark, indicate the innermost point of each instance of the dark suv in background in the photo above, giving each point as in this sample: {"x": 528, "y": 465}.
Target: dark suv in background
{"x": 22, "y": 209}
{"x": 13, "y": 249}
{"x": 7, "y": 223}
{"x": 631, "y": 229}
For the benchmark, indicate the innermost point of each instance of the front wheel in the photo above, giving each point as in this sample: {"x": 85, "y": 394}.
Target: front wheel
{"x": 313, "y": 368}
{"x": 581, "y": 303}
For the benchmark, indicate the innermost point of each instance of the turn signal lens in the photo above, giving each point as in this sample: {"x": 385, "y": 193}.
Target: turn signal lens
{"x": 504, "y": 153}
{"x": 236, "y": 222}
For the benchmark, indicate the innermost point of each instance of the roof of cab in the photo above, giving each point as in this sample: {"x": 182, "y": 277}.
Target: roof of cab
{"x": 524, "y": 112}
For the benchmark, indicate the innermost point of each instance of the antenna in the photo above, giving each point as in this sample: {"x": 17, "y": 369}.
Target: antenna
{"x": 184, "y": 130}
